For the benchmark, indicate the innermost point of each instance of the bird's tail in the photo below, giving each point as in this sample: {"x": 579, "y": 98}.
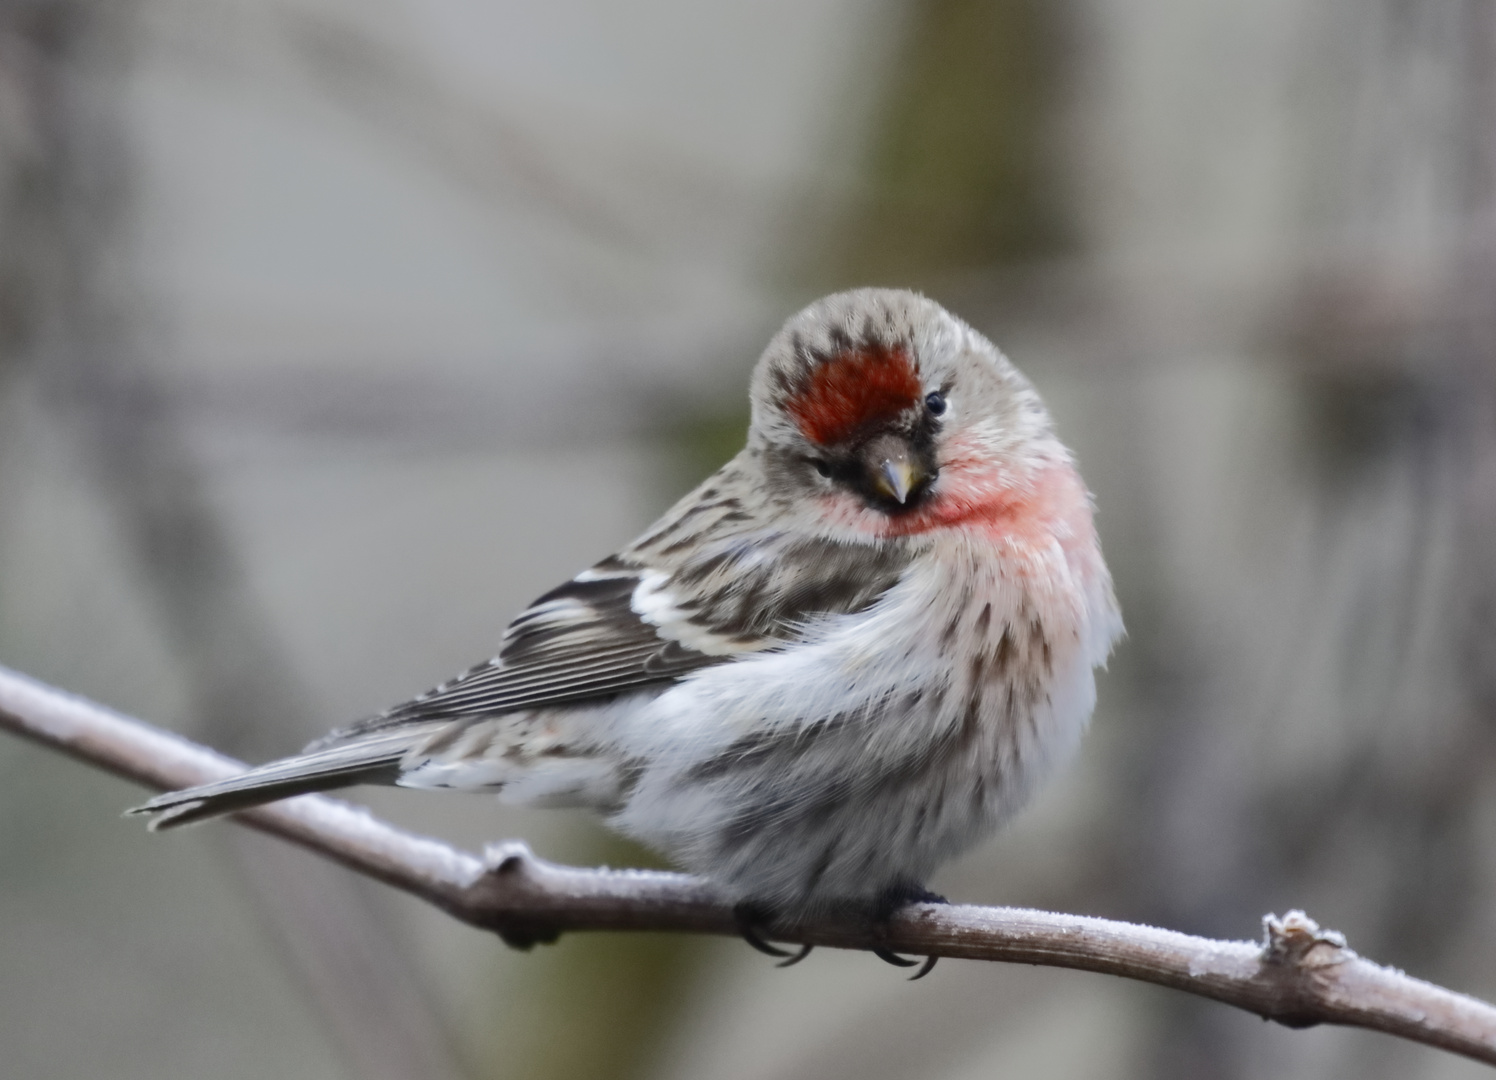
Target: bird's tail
{"x": 372, "y": 759}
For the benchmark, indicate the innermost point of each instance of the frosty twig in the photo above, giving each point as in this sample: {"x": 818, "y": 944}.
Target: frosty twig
{"x": 1299, "y": 975}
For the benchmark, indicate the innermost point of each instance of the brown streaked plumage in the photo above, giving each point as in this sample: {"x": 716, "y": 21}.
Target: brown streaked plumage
{"x": 843, "y": 659}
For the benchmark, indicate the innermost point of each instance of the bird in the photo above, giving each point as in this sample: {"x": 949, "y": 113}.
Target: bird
{"x": 841, "y": 661}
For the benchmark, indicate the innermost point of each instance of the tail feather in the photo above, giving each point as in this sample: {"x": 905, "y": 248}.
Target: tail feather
{"x": 372, "y": 760}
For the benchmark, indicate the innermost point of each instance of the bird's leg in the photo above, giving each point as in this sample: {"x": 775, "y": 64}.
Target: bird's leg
{"x": 892, "y": 899}
{"x": 750, "y": 917}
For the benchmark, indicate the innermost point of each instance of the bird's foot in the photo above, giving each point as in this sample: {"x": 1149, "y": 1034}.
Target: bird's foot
{"x": 749, "y": 918}
{"x": 892, "y": 899}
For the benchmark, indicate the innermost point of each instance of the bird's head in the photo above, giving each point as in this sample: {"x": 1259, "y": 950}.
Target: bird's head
{"x": 880, "y": 402}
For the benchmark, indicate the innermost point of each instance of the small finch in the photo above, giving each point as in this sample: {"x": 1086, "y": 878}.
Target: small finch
{"x": 845, "y": 658}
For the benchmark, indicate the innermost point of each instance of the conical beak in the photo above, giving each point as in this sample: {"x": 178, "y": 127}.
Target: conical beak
{"x": 895, "y": 471}
{"x": 897, "y": 477}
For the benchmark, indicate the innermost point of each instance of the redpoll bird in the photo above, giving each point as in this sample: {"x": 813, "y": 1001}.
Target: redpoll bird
{"x": 843, "y": 659}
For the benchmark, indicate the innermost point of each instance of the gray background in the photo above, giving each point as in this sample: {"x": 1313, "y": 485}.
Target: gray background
{"x": 332, "y": 332}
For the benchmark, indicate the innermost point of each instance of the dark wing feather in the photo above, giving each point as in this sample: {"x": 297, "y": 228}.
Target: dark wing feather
{"x": 580, "y": 641}
{"x": 715, "y": 582}
{"x": 585, "y": 640}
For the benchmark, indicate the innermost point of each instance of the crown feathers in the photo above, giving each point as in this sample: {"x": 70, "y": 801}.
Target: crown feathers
{"x": 854, "y": 391}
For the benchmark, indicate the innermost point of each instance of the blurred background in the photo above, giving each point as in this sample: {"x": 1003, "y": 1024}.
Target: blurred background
{"x": 332, "y": 332}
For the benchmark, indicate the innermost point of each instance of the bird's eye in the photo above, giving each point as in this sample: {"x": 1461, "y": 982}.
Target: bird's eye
{"x": 821, "y": 466}
{"x": 935, "y": 403}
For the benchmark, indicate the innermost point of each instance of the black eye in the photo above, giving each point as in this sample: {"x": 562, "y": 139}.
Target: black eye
{"x": 821, "y": 466}
{"x": 935, "y": 403}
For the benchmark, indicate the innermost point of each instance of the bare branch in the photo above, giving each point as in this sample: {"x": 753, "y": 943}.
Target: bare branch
{"x": 1299, "y": 975}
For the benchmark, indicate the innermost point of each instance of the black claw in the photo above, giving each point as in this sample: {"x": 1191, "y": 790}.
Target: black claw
{"x": 894, "y": 958}
{"x": 892, "y": 899}
{"x": 801, "y": 955}
{"x": 750, "y": 935}
{"x": 748, "y": 919}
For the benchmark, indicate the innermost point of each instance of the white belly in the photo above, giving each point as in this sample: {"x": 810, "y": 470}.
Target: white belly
{"x": 888, "y": 743}
{"x": 839, "y": 768}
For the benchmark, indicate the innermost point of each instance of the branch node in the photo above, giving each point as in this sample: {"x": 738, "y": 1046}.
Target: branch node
{"x": 525, "y": 938}
{"x": 1296, "y": 940}
{"x": 508, "y": 869}
{"x": 508, "y": 857}
{"x": 1295, "y": 950}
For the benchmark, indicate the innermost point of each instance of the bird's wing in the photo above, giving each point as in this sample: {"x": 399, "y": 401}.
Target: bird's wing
{"x": 651, "y": 615}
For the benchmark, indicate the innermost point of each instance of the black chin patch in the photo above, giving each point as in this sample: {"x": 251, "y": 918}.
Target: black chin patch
{"x": 856, "y": 467}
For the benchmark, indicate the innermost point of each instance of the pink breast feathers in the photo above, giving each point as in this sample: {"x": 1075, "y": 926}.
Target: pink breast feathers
{"x": 1030, "y": 506}
{"x": 854, "y": 391}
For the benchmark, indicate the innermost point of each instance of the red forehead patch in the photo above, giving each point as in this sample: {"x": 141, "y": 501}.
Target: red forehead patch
{"x": 854, "y": 390}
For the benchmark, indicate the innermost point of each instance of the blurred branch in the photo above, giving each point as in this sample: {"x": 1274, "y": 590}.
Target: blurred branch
{"x": 488, "y": 151}
{"x": 1299, "y": 976}
{"x": 69, "y": 62}
{"x": 507, "y": 148}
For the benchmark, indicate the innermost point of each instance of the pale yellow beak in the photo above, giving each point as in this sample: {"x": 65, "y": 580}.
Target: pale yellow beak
{"x": 894, "y": 469}
{"x": 897, "y": 476}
